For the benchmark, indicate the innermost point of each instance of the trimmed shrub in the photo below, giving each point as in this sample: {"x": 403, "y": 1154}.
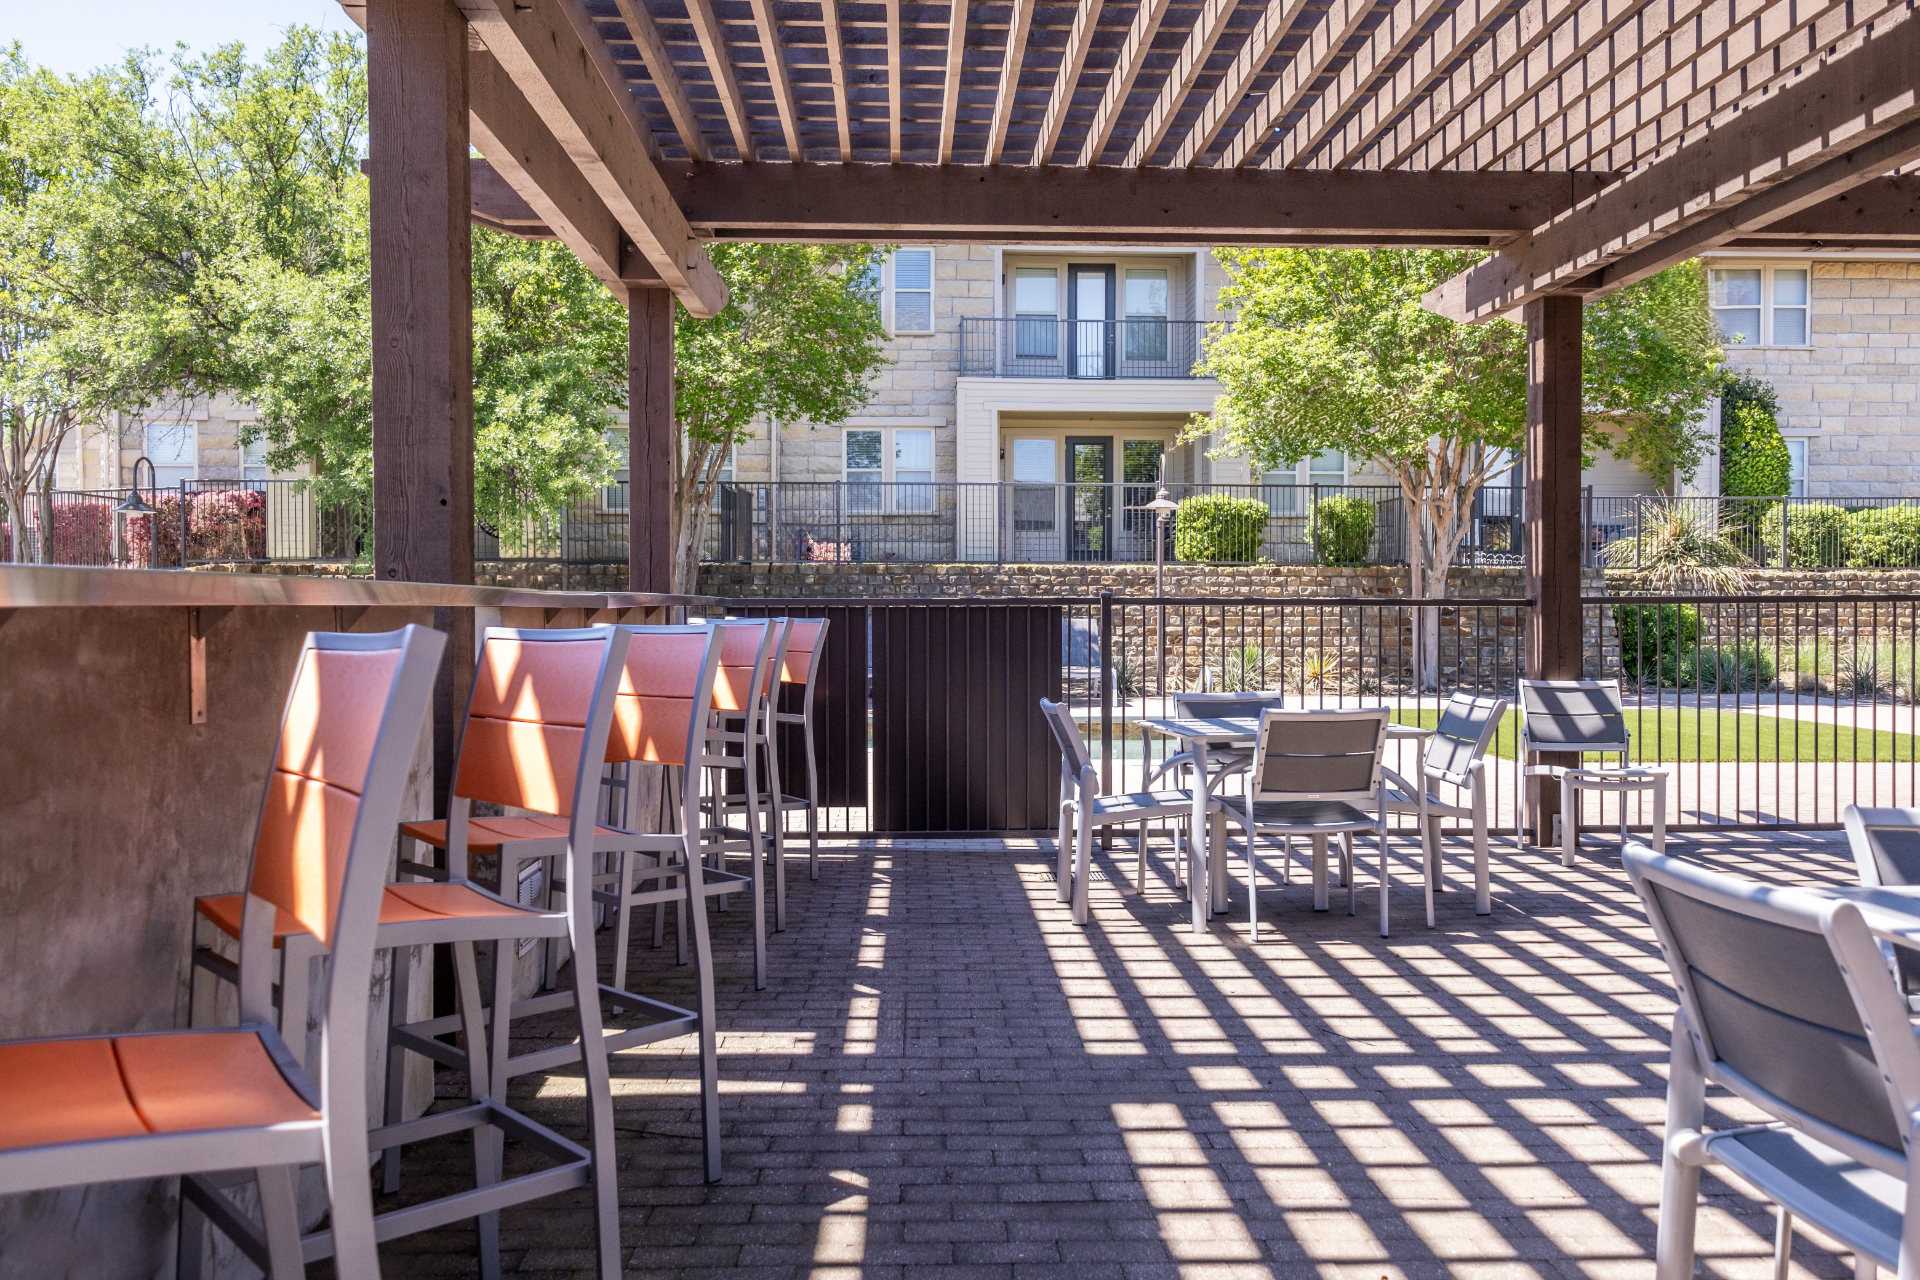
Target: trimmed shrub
{"x": 1340, "y": 529}
{"x": 1754, "y": 462}
{"x": 82, "y": 534}
{"x": 1816, "y": 534}
{"x": 1730, "y": 668}
{"x": 1653, "y": 638}
{"x": 230, "y": 524}
{"x": 1883, "y": 538}
{"x": 1216, "y": 526}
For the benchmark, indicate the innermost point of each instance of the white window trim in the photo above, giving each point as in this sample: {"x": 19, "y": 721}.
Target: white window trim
{"x": 1805, "y": 440}
{"x": 146, "y": 445}
{"x": 933, "y": 289}
{"x": 1766, "y": 267}
{"x": 889, "y": 468}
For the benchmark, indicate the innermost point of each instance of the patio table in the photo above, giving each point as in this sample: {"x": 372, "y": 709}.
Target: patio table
{"x": 1207, "y": 875}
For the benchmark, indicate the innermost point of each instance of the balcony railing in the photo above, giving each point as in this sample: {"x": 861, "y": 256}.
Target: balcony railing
{"x": 1070, "y": 523}
{"x": 1774, "y": 533}
{"x": 1045, "y": 347}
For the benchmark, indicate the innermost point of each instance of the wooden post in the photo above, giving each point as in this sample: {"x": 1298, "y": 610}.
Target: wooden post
{"x": 1554, "y": 535}
{"x": 650, "y": 440}
{"x": 423, "y": 323}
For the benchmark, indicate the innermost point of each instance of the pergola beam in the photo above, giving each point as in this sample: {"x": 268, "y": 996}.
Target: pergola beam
{"x": 1019, "y": 24}
{"x": 541, "y": 50}
{"x": 1845, "y": 124}
{"x": 713, "y": 45}
{"x": 665, "y": 76}
{"x": 950, "y": 88}
{"x": 776, "y": 62}
{"x": 1187, "y": 68}
{"x": 1085, "y": 22}
{"x": 1102, "y": 204}
{"x": 837, "y": 75}
{"x": 1126, "y": 67}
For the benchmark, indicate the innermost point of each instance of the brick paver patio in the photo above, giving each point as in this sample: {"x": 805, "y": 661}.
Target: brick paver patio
{"x": 946, "y": 1078}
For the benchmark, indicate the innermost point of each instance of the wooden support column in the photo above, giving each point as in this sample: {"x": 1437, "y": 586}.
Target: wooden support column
{"x": 423, "y": 323}
{"x": 650, "y": 440}
{"x": 1554, "y": 535}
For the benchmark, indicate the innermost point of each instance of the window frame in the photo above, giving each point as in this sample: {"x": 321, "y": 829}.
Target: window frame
{"x": 1303, "y": 479}
{"x": 889, "y": 277}
{"x": 1797, "y": 445}
{"x": 146, "y": 449}
{"x": 889, "y": 470}
{"x": 1767, "y": 268}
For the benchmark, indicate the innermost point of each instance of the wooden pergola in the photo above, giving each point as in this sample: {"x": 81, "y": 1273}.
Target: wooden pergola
{"x": 1588, "y": 143}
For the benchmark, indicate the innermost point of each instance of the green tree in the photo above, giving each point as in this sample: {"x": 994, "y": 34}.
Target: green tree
{"x": 1332, "y": 349}
{"x": 798, "y": 341}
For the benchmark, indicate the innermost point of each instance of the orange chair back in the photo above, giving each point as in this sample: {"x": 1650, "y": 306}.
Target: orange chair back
{"x": 313, "y": 791}
{"x": 803, "y": 642}
{"x": 661, "y": 692}
{"x": 527, "y": 722}
{"x": 734, "y": 684}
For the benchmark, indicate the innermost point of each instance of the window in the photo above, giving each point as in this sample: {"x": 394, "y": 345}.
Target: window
{"x": 913, "y": 291}
{"x": 253, "y": 460}
{"x": 1146, "y": 314}
{"x": 1797, "y": 467}
{"x": 1036, "y": 310}
{"x": 173, "y": 449}
{"x": 1282, "y": 487}
{"x": 1033, "y": 478}
{"x": 904, "y": 462}
{"x": 614, "y": 496}
{"x": 1760, "y": 306}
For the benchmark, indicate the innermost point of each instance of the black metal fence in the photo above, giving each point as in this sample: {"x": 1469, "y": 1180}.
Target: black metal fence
{"x": 1050, "y": 347}
{"x": 1766, "y": 712}
{"x": 1775, "y": 533}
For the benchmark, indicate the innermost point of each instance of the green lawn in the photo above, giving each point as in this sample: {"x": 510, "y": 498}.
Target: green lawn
{"x": 1679, "y": 735}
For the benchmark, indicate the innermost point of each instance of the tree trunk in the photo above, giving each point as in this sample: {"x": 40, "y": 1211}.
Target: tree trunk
{"x": 17, "y": 523}
{"x": 42, "y": 551}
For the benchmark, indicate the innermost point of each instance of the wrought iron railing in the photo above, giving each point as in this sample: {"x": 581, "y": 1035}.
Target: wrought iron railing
{"x": 1774, "y": 533}
{"x": 1048, "y": 347}
{"x": 1008, "y": 523}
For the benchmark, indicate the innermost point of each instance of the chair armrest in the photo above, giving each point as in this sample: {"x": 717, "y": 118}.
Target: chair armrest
{"x": 1171, "y": 762}
{"x": 1089, "y": 783}
{"x": 1412, "y": 792}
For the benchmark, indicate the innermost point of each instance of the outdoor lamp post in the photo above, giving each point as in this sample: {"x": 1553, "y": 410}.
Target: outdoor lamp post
{"x": 1163, "y": 508}
{"x": 133, "y": 505}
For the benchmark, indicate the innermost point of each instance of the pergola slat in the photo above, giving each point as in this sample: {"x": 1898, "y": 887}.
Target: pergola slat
{"x": 713, "y": 44}
{"x": 1146, "y": 22}
{"x": 1086, "y": 20}
{"x": 1377, "y": 112}
{"x": 772, "y": 53}
{"x": 1388, "y": 41}
{"x": 837, "y": 74}
{"x": 894, "y": 73}
{"x": 1340, "y": 23}
{"x": 665, "y": 77}
{"x": 950, "y": 88}
{"x": 1181, "y": 77}
{"x": 1016, "y": 54}
{"x": 1275, "y": 21}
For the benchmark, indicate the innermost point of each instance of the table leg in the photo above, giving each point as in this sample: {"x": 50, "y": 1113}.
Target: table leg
{"x": 1197, "y": 852}
{"x": 1217, "y": 868}
{"x": 1319, "y": 872}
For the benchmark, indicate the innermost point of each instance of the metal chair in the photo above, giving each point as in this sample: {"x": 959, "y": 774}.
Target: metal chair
{"x": 1083, "y": 808}
{"x": 1583, "y": 717}
{"x": 1886, "y": 852}
{"x": 189, "y": 1103}
{"x": 1217, "y": 706}
{"x": 535, "y": 739}
{"x": 800, "y": 671}
{"x": 1310, "y": 771}
{"x": 1456, "y": 755}
{"x": 1786, "y": 1002}
{"x": 749, "y": 655}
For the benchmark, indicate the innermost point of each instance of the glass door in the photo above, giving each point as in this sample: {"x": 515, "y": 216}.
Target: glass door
{"x": 1090, "y": 300}
{"x": 1090, "y": 470}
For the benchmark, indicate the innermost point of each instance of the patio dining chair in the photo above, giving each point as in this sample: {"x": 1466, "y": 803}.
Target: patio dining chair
{"x": 1083, "y": 807}
{"x": 1785, "y": 1002}
{"x": 749, "y": 657}
{"x": 1886, "y": 853}
{"x": 535, "y": 739}
{"x": 1456, "y": 756}
{"x": 1581, "y": 717}
{"x": 800, "y": 673}
{"x": 202, "y": 1102}
{"x": 1311, "y": 772}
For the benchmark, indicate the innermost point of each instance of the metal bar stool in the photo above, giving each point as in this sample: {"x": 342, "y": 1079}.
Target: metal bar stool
{"x": 190, "y": 1103}
{"x": 748, "y": 653}
{"x": 800, "y": 672}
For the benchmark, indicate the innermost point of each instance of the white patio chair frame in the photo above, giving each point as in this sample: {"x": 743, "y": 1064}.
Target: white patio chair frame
{"x": 337, "y": 1138}
{"x": 1839, "y": 998}
{"x": 803, "y": 718}
{"x": 1574, "y": 779}
{"x": 1305, "y": 811}
{"x": 489, "y": 1069}
{"x": 1456, "y": 754}
{"x": 1867, "y": 835}
{"x": 1083, "y": 807}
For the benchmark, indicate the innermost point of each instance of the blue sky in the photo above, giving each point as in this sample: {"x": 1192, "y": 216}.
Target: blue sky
{"x": 77, "y": 37}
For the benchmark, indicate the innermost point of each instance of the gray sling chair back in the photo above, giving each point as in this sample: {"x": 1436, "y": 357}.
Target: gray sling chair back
{"x": 1886, "y": 852}
{"x": 1586, "y": 717}
{"x": 1311, "y": 774}
{"x": 1082, "y": 808}
{"x": 188, "y": 1103}
{"x": 1787, "y": 1002}
{"x": 1456, "y": 755}
{"x": 534, "y": 740}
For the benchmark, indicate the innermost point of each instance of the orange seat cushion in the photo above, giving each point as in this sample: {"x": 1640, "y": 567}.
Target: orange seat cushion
{"x": 61, "y": 1091}
{"x": 226, "y": 911}
{"x": 486, "y": 835}
{"x": 453, "y": 901}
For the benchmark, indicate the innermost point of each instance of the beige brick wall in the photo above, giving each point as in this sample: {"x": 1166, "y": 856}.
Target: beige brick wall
{"x": 1855, "y": 393}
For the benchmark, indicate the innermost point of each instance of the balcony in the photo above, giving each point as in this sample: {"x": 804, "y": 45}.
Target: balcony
{"x": 1028, "y": 347}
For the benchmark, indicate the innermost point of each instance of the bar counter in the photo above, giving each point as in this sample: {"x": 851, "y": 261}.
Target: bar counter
{"x": 137, "y": 710}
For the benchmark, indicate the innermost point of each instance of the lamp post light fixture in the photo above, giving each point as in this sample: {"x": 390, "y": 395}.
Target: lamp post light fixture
{"x": 1163, "y": 508}
{"x": 133, "y": 505}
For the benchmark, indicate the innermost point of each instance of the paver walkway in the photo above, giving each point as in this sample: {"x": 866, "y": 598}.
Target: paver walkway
{"x": 946, "y": 1078}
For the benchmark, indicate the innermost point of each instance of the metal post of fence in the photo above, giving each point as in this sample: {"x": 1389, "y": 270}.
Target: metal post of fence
{"x": 183, "y": 524}
{"x": 1786, "y": 561}
{"x": 1106, "y": 691}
